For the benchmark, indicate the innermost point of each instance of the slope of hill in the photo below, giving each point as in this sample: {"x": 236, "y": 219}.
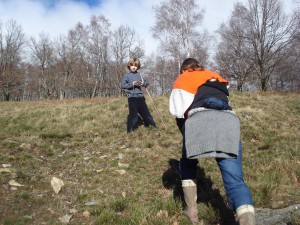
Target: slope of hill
{"x": 111, "y": 177}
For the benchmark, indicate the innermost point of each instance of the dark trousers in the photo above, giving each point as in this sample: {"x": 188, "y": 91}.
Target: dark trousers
{"x": 138, "y": 106}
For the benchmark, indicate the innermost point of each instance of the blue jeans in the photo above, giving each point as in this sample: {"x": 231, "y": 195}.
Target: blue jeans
{"x": 236, "y": 189}
{"x": 215, "y": 103}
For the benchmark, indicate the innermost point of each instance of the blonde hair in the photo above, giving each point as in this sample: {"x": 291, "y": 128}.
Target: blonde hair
{"x": 134, "y": 62}
{"x": 191, "y": 64}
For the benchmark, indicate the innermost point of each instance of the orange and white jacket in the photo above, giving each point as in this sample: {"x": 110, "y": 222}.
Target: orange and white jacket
{"x": 185, "y": 87}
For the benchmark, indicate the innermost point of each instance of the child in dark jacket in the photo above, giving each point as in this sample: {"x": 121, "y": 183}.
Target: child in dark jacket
{"x": 132, "y": 84}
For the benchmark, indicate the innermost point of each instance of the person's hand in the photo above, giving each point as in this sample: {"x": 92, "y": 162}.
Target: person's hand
{"x": 135, "y": 83}
{"x": 141, "y": 83}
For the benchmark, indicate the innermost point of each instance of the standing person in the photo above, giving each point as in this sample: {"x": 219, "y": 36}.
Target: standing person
{"x": 201, "y": 90}
{"x": 132, "y": 83}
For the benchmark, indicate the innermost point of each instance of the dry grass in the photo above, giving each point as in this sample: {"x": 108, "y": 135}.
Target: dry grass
{"x": 84, "y": 143}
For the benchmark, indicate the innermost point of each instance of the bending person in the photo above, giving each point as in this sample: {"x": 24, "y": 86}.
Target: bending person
{"x": 203, "y": 90}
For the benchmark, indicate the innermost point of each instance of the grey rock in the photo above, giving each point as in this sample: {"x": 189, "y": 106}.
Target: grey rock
{"x": 285, "y": 216}
{"x": 90, "y": 203}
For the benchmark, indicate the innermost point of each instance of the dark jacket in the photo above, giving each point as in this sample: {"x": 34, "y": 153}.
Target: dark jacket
{"x": 127, "y": 86}
{"x": 211, "y": 89}
{"x": 212, "y": 95}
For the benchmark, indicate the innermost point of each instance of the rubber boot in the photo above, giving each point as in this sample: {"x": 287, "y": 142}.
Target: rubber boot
{"x": 190, "y": 197}
{"x": 246, "y": 215}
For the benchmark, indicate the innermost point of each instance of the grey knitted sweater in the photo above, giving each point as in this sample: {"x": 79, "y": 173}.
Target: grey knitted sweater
{"x": 212, "y": 133}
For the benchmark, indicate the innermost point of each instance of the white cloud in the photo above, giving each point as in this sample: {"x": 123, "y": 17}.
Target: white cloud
{"x": 35, "y": 16}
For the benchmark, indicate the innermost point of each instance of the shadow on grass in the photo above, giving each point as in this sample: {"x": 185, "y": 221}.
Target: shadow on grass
{"x": 205, "y": 191}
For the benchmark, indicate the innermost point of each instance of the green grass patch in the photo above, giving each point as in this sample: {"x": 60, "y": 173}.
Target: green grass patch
{"x": 85, "y": 143}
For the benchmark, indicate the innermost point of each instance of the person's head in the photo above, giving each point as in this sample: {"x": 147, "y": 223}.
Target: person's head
{"x": 134, "y": 64}
{"x": 191, "y": 64}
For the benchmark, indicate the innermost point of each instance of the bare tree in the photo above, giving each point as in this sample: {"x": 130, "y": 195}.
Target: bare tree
{"x": 42, "y": 54}
{"x": 97, "y": 57}
{"x": 12, "y": 42}
{"x": 70, "y": 58}
{"x": 177, "y": 27}
{"x": 270, "y": 31}
{"x": 254, "y": 41}
{"x": 124, "y": 44}
{"x": 162, "y": 72}
{"x": 232, "y": 55}
{"x": 288, "y": 72}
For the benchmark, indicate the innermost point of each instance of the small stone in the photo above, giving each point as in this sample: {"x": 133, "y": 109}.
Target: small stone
{"x": 86, "y": 214}
{"x": 122, "y": 172}
{"x": 14, "y": 183}
{"x": 90, "y": 203}
{"x": 124, "y": 165}
{"x": 5, "y": 170}
{"x": 65, "y": 218}
{"x": 73, "y": 211}
{"x": 120, "y": 155}
{"x": 57, "y": 184}
{"x": 103, "y": 156}
{"x": 6, "y": 165}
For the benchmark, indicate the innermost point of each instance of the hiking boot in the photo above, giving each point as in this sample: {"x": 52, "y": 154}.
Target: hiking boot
{"x": 246, "y": 215}
{"x": 190, "y": 197}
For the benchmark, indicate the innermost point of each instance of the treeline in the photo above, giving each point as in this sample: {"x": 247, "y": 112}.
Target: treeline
{"x": 258, "y": 48}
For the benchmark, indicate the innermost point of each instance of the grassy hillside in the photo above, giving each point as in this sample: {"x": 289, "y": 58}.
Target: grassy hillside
{"x": 111, "y": 177}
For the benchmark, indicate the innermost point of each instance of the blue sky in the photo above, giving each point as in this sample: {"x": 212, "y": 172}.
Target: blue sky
{"x": 56, "y": 17}
{"x": 52, "y": 3}
{"x": 91, "y": 3}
